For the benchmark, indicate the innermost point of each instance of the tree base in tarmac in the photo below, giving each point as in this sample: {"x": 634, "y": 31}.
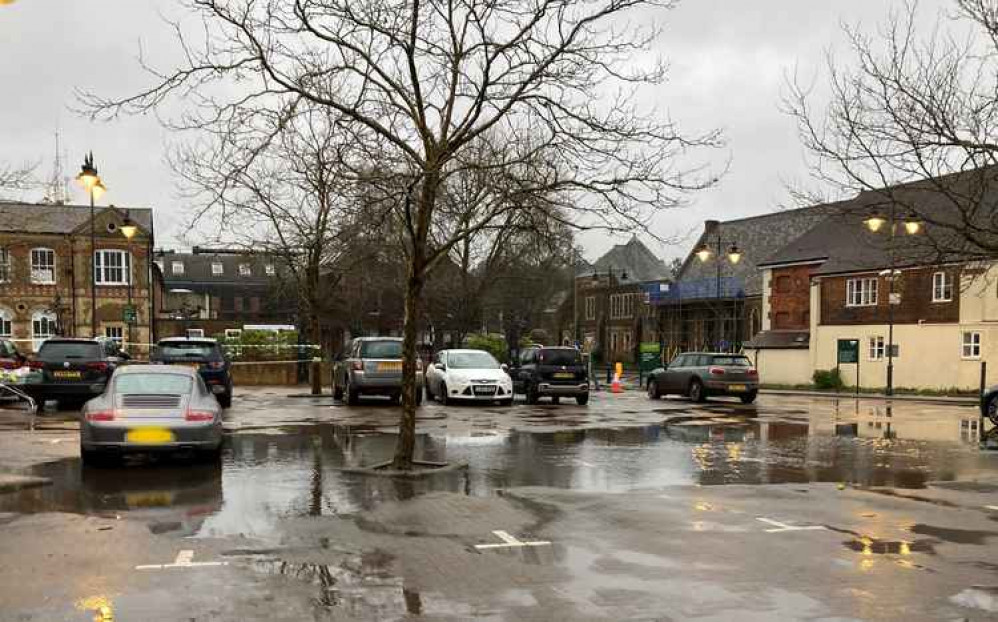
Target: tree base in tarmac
{"x": 420, "y": 468}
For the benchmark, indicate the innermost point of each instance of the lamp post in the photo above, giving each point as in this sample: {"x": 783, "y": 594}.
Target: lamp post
{"x": 129, "y": 229}
{"x": 734, "y": 255}
{"x": 912, "y": 226}
{"x": 95, "y": 187}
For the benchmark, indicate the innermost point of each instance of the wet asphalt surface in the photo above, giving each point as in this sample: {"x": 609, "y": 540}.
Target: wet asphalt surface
{"x": 793, "y": 508}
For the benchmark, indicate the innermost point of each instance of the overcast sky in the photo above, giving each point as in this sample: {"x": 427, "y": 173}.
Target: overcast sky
{"x": 728, "y": 60}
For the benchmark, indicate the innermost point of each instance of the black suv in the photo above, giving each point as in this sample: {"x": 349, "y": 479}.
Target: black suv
{"x": 204, "y": 355}
{"x": 72, "y": 371}
{"x": 551, "y": 371}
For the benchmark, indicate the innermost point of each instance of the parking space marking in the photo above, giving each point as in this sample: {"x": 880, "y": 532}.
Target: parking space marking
{"x": 184, "y": 560}
{"x": 509, "y": 541}
{"x": 780, "y": 527}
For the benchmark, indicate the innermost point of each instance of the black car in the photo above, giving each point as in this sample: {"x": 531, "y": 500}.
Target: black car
{"x": 553, "y": 372}
{"x": 989, "y": 404}
{"x": 10, "y": 358}
{"x": 72, "y": 371}
{"x": 204, "y": 355}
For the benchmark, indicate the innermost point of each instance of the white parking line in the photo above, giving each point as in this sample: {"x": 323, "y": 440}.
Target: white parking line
{"x": 184, "y": 560}
{"x": 784, "y": 527}
{"x": 509, "y": 541}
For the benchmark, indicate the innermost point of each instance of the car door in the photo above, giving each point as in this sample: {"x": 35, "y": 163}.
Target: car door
{"x": 667, "y": 380}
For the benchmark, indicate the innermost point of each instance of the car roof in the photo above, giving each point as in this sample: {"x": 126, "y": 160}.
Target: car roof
{"x": 464, "y": 350}
{"x": 187, "y": 340}
{"x": 69, "y": 340}
{"x": 155, "y": 369}
{"x": 377, "y": 339}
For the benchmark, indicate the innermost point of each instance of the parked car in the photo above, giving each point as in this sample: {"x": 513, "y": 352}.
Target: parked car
{"x": 700, "y": 375}
{"x": 71, "y": 370}
{"x": 372, "y": 366}
{"x": 989, "y": 404}
{"x": 10, "y": 357}
{"x": 472, "y": 375}
{"x": 204, "y": 355}
{"x": 151, "y": 408}
{"x": 555, "y": 372}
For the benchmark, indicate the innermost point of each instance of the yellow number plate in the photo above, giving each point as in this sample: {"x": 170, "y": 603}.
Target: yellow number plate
{"x": 149, "y": 436}
{"x": 390, "y": 366}
{"x": 149, "y": 499}
{"x": 67, "y": 375}
{"x": 737, "y": 387}
{"x": 564, "y": 375}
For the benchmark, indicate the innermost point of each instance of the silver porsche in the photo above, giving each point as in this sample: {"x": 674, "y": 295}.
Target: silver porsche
{"x": 151, "y": 408}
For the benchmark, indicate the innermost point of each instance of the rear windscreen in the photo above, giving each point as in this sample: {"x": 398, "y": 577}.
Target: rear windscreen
{"x": 560, "y": 357}
{"x": 57, "y": 351}
{"x": 153, "y": 384}
{"x": 732, "y": 361}
{"x": 381, "y": 350}
{"x": 187, "y": 350}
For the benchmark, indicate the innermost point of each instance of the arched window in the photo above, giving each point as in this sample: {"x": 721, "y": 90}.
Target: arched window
{"x": 43, "y": 326}
{"x": 6, "y": 318}
{"x": 43, "y": 266}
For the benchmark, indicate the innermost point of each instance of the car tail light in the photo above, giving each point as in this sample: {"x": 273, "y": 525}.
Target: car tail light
{"x": 199, "y": 415}
{"x": 716, "y": 371}
{"x": 9, "y": 365}
{"x": 100, "y": 415}
{"x": 36, "y": 365}
{"x": 753, "y": 372}
{"x": 358, "y": 365}
{"x": 216, "y": 364}
{"x": 98, "y": 365}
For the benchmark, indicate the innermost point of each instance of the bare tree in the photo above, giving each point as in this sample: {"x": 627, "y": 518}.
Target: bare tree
{"x": 913, "y": 124}
{"x": 16, "y": 178}
{"x": 550, "y": 85}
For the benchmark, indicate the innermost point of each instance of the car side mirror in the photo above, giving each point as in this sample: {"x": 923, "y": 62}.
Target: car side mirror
{"x": 504, "y": 367}
{"x": 440, "y": 366}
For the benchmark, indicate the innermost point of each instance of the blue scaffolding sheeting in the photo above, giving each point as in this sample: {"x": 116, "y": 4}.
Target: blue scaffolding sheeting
{"x": 663, "y": 293}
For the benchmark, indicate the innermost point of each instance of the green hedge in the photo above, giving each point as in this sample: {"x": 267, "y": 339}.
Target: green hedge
{"x": 827, "y": 379}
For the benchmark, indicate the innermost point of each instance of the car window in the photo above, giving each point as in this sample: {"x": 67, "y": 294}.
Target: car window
{"x": 732, "y": 361}
{"x": 189, "y": 349}
{"x": 59, "y": 350}
{"x": 381, "y": 350}
{"x": 526, "y": 357}
{"x": 153, "y": 384}
{"x": 472, "y": 360}
{"x": 678, "y": 361}
{"x": 439, "y": 358}
{"x": 560, "y": 356}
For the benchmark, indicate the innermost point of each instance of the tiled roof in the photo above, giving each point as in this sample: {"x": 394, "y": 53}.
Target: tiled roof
{"x": 780, "y": 339}
{"x": 634, "y": 257}
{"x": 43, "y": 218}
{"x": 198, "y": 269}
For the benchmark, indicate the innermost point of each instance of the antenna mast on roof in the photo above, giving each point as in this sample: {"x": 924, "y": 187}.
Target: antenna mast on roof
{"x": 56, "y": 192}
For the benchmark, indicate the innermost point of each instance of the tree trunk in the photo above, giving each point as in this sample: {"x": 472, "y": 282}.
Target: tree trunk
{"x": 406, "y": 444}
{"x": 315, "y": 367}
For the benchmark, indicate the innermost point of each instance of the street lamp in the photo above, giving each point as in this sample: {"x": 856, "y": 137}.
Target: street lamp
{"x": 91, "y": 181}
{"x": 129, "y": 229}
{"x": 912, "y": 226}
{"x": 734, "y": 255}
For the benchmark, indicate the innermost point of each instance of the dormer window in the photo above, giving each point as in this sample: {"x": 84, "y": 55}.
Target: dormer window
{"x": 217, "y": 269}
{"x": 245, "y": 270}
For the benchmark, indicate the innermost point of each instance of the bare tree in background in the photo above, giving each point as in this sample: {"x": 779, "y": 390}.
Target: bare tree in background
{"x": 418, "y": 83}
{"x": 921, "y": 109}
{"x": 16, "y": 178}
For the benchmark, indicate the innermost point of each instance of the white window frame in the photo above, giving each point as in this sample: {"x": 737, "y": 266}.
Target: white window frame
{"x": 245, "y": 270}
{"x": 970, "y": 349}
{"x": 176, "y": 267}
{"x": 42, "y": 320}
{"x": 876, "y": 349}
{"x": 217, "y": 269}
{"x": 233, "y": 333}
{"x": 942, "y": 287}
{"x": 112, "y": 267}
{"x": 270, "y": 270}
{"x": 6, "y": 323}
{"x": 195, "y": 333}
{"x": 115, "y": 332}
{"x": 6, "y": 267}
{"x": 862, "y": 292}
{"x": 591, "y": 307}
{"x": 37, "y": 272}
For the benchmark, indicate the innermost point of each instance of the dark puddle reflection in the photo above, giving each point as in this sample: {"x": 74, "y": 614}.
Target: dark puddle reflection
{"x": 270, "y": 475}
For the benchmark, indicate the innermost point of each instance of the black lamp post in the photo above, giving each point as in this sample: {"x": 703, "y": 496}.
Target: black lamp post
{"x": 95, "y": 187}
{"x": 129, "y": 229}
{"x": 734, "y": 255}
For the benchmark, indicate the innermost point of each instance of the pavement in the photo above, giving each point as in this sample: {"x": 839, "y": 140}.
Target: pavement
{"x": 794, "y": 508}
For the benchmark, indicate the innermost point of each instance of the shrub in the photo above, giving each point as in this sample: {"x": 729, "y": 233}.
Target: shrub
{"x": 264, "y": 345}
{"x": 827, "y": 379}
{"x": 493, "y": 344}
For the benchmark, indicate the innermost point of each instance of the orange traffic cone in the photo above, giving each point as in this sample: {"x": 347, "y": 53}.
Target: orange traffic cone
{"x": 615, "y": 387}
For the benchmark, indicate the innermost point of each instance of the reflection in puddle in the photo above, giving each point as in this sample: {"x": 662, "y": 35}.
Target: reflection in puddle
{"x": 872, "y": 546}
{"x": 270, "y": 475}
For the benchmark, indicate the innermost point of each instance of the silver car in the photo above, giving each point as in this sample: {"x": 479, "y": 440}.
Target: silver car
{"x": 151, "y": 408}
{"x": 372, "y": 366}
{"x": 703, "y": 374}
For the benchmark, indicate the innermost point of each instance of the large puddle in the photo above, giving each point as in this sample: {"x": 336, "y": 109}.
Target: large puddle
{"x": 270, "y": 474}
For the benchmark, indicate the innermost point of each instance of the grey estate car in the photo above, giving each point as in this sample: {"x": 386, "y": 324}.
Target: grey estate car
{"x": 702, "y": 374}
{"x": 372, "y": 366}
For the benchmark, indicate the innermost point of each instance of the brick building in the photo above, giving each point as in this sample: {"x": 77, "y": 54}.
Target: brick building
{"x": 45, "y": 267}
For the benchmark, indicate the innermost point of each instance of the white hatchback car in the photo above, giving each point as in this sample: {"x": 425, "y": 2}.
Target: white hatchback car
{"x": 472, "y": 375}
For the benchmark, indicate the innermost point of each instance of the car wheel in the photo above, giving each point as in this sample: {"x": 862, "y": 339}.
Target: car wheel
{"x": 337, "y": 392}
{"x": 506, "y": 403}
{"x": 993, "y": 410}
{"x": 582, "y": 400}
{"x": 748, "y": 398}
{"x": 93, "y": 458}
{"x": 395, "y": 398}
{"x": 443, "y": 397}
{"x": 429, "y": 393}
{"x": 225, "y": 400}
{"x": 696, "y": 392}
{"x": 532, "y": 395}
{"x": 353, "y": 396}
{"x": 209, "y": 456}
{"x": 556, "y": 400}
{"x": 653, "y": 392}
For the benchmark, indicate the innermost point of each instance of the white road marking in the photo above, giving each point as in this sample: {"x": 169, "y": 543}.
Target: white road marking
{"x": 586, "y": 464}
{"x": 991, "y": 507}
{"x": 784, "y": 527}
{"x": 184, "y": 560}
{"x": 509, "y": 541}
